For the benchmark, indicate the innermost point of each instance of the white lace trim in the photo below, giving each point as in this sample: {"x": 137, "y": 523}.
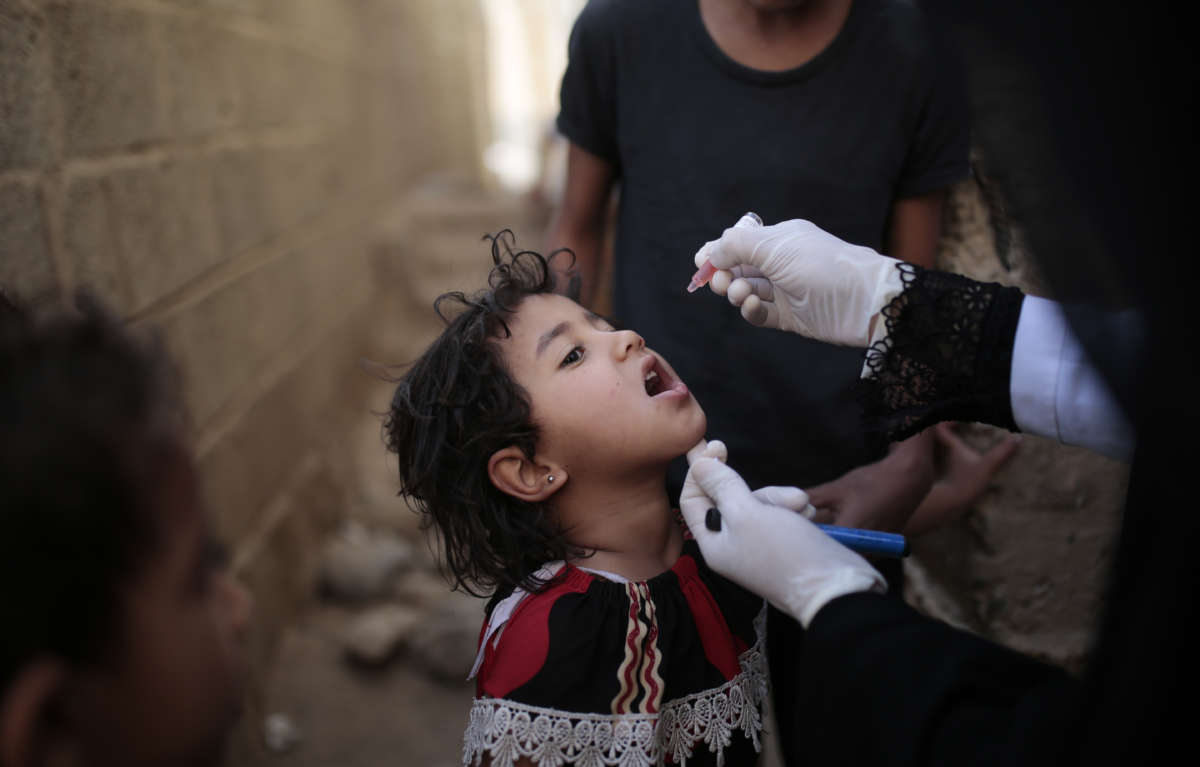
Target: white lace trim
{"x": 507, "y": 730}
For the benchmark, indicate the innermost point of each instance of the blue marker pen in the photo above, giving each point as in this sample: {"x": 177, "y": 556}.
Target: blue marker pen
{"x": 868, "y": 541}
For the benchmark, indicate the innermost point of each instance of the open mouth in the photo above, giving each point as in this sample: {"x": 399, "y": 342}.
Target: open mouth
{"x": 656, "y": 378}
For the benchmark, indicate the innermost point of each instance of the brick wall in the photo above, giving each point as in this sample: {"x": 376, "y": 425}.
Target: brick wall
{"x": 229, "y": 172}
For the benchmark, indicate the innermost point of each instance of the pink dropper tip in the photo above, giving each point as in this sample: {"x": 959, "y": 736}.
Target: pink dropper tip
{"x": 702, "y": 276}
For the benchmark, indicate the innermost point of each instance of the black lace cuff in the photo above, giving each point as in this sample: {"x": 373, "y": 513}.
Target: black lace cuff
{"x": 947, "y": 355}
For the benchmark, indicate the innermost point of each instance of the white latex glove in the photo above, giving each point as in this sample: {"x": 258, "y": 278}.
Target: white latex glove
{"x": 766, "y": 547}
{"x": 797, "y": 277}
{"x": 788, "y": 497}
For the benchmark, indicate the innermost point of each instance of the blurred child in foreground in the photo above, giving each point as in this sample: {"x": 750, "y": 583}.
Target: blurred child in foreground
{"x": 123, "y": 639}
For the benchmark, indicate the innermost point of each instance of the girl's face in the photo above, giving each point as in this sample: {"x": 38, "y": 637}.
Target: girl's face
{"x": 603, "y": 402}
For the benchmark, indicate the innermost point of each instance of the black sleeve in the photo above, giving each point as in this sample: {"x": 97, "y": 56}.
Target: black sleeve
{"x": 587, "y": 111}
{"x": 947, "y": 355}
{"x": 889, "y": 686}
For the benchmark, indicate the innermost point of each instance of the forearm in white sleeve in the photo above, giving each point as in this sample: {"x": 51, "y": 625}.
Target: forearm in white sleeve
{"x": 1055, "y": 390}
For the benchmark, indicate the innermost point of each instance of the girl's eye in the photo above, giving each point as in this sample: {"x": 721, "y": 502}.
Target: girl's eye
{"x": 573, "y": 356}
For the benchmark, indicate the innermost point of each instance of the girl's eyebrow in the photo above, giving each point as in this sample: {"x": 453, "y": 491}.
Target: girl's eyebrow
{"x": 545, "y": 338}
{"x": 551, "y": 334}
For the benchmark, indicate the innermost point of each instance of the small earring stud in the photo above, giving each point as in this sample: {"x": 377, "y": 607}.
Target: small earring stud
{"x": 550, "y": 478}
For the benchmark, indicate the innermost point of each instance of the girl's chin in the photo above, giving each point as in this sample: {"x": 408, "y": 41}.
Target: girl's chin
{"x": 693, "y": 435}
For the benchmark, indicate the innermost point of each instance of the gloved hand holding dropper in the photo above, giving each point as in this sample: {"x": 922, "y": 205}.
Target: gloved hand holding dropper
{"x": 794, "y": 276}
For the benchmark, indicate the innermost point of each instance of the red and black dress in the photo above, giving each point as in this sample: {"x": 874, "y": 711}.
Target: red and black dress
{"x": 596, "y": 670}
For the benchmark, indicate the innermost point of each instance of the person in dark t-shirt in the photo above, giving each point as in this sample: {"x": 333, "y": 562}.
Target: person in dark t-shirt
{"x": 841, "y": 112}
{"x": 838, "y": 112}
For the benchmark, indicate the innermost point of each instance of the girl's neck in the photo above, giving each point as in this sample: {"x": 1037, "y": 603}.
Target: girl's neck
{"x": 630, "y": 525}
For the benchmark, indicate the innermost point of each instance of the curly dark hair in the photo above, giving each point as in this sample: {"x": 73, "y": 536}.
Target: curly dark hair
{"x": 454, "y": 408}
{"x": 88, "y": 423}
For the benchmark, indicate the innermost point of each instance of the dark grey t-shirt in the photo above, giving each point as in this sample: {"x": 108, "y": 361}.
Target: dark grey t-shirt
{"x": 698, "y": 140}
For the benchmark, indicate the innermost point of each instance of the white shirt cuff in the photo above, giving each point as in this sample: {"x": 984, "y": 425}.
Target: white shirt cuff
{"x": 1054, "y": 389}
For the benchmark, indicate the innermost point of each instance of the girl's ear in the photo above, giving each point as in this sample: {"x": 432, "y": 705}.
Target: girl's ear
{"x": 31, "y": 735}
{"x": 512, "y": 473}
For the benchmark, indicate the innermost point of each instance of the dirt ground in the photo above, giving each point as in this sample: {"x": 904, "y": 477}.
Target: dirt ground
{"x": 361, "y": 717}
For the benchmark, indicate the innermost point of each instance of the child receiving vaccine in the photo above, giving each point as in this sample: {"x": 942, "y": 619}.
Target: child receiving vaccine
{"x": 124, "y": 637}
{"x": 535, "y": 438}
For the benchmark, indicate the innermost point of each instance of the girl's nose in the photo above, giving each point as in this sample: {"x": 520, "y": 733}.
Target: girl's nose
{"x": 627, "y": 341}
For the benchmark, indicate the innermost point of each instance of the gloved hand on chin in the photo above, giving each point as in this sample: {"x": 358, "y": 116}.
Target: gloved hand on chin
{"x": 794, "y": 276}
{"x": 765, "y": 544}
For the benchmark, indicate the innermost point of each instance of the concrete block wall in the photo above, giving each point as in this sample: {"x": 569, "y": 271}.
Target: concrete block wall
{"x": 228, "y": 173}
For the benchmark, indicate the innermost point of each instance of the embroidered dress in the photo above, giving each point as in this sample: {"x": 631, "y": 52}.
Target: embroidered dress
{"x": 596, "y": 670}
